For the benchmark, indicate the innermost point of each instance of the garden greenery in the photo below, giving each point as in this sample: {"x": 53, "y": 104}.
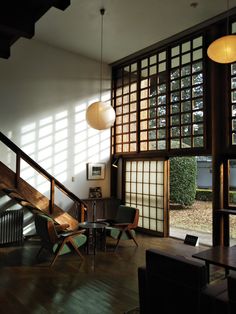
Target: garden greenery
{"x": 183, "y": 174}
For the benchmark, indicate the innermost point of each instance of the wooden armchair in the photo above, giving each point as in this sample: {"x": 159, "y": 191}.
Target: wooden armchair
{"x": 57, "y": 239}
{"x": 122, "y": 227}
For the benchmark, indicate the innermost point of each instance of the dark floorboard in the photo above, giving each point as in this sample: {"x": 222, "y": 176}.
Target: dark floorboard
{"x": 102, "y": 284}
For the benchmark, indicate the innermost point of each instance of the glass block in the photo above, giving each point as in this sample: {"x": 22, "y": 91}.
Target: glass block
{"x": 144, "y": 63}
{"x": 197, "y": 103}
{"x": 160, "y": 189}
{"x": 233, "y": 96}
{"x": 234, "y": 124}
{"x": 125, "y": 137}
{"x": 175, "y": 62}
{"x": 197, "y": 66}
{"x": 161, "y": 122}
{"x": 161, "y": 111}
{"x": 139, "y": 199}
{"x": 162, "y": 56}
{"x": 186, "y": 118}
{"x": 152, "y": 135}
{"x": 139, "y": 166}
{"x": 161, "y": 133}
{"x": 133, "y": 137}
{"x": 186, "y": 94}
{"x": 118, "y": 119}
{"x": 118, "y": 101}
{"x": 186, "y": 81}
{"x": 133, "y": 147}
{"x": 153, "y": 59}
{"x": 233, "y": 69}
{"x": 133, "y": 166}
{"x": 186, "y": 106}
{"x": 133, "y": 67}
{"x": 198, "y": 129}
{"x": 144, "y": 73}
{"x": 143, "y": 135}
{"x": 152, "y": 123}
{"x": 125, "y": 148}
{"x": 133, "y": 87}
{"x": 175, "y": 131}
{"x": 233, "y": 139}
{"x": 233, "y": 82}
{"x": 198, "y": 91}
{"x": 160, "y": 204}
{"x": 197, "y": 54}
{"x": 118, "y": 129}
{"x": 175, "y": 144}
{"x": 118, "y": 92}
{"x": 132, "y": 127}
{"x": 175, "y": 51}
{"x": 125, "y": 118}
{"x": 127, "y": 197}
{"x": 174, "y": 97}
{"x": 144, "y": 83}
{"x": 153, "y": 70}
{"x": 161, "y": 89}
{"x": 186, "y": 130}
{"x": 186, "y": 58}
{"x": 133, "y": 187}
{"x": 175, "y": 108}
{"x": 125, "y": 99}
{"x": 146, "y": 177}
{"x": 197, "y": 79}
{"x": 174, "y": 85}
{"x": 186, "y": 46}
{"x": 162, "y": 67}
{"x": 143, "y": 146}
{"x": 152, "y": 145}
{"x": 126, "y": 89}
{"x": 174, "y": 120}
{"x": 161, "y": 144}
{"x": 128, "y": 166}
{"x": 186, "y": 142}
{"x": 144, "y": 93}
{"x": 133, "y": 117}
{"x": 197, "y": 42}
{"x": 133, "y": 106}
{"x": 133, "y": 96}
{"x": 174, "y": 74}
{"x": 186, "y": 70}
{"x": 198, "y": 141}
{"x": 198, "y": 116}
{"x": 160, "y": 178}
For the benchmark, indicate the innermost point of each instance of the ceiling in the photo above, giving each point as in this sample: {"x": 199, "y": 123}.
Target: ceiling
{"x": 129, "y": 25}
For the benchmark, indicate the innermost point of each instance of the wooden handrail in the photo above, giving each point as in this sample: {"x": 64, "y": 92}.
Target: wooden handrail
{"x": 20, "y": 154}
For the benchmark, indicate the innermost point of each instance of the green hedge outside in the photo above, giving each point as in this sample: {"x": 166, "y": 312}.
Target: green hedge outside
{"x": 206, "y": 195}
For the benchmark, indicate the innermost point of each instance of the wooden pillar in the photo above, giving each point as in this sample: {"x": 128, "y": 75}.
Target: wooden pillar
{"x": 217, "y": 92}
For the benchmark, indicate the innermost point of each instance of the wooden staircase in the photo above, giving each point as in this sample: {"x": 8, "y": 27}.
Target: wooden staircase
{"x": 18, "y": 18}
{"x": 28, "y": 197}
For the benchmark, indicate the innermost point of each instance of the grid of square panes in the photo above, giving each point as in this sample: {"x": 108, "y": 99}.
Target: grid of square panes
{"x": 126, "y": 109}
{"x": 144, "y": 189}
{"x": 233, "y": 95}
{"x": 186, "y": 95}
{"x": 153, "y": 102}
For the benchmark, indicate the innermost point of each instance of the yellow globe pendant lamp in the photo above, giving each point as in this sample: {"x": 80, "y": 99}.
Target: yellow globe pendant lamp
{"x": 223, "y": 49}
{"x": 100, "y": 115}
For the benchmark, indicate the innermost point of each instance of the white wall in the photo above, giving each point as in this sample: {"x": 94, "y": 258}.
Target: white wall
{"x": 44, "y": 93}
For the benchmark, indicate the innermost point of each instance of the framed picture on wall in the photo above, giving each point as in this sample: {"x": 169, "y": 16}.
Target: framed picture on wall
{"x": 95, "y": 171}
{"x": 95, "y": 192}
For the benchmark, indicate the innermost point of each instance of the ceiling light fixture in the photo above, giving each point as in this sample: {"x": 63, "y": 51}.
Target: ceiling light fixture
{"x": 100, "y": 115}
{"x": 223, "y": 49}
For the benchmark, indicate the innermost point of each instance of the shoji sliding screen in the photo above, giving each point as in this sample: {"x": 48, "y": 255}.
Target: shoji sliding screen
{"x": 146, "y": 189}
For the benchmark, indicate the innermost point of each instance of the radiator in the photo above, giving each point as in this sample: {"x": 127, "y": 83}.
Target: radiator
{"x": 11, "y": 227}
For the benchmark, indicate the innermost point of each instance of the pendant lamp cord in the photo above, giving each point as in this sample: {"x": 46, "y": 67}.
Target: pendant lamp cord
{"x": 227, "y": 20}
{"x": 102, "y": 11}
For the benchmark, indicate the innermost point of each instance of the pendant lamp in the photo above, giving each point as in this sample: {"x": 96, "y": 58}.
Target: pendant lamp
{"x": 223, "y": 49}
{"x": 100, "y": 115}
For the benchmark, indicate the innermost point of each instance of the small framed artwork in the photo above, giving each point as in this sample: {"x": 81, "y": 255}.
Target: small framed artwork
{"x": 95, "y": 192}
{"x": 95, "y": 171}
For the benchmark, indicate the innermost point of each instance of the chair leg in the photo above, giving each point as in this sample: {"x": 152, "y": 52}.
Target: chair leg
{"x": 40, "y": 250}
{"x": 75, "y": 247}
{"x": 132, "y": 237}
{"x": 58, "y": 250}
{"x": 118, "y": 239}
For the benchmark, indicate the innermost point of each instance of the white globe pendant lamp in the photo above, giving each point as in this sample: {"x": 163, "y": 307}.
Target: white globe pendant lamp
{"x": 100, "y": 115}
{"x": 223, "y": 49}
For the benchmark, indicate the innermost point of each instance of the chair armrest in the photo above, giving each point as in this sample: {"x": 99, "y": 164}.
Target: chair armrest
{"x": 72, "y": 233}
{"x": 62, "y": 227}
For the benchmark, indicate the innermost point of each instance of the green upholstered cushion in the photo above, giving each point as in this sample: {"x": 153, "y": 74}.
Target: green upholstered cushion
{"x": 79, "y": 240}
{"x": 114, "y": 233}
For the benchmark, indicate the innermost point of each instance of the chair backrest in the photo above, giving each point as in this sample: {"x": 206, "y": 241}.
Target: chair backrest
{"x": 174, "y": 282}
{"x": 127, "y": 214}
{"x": 45, "y": 229}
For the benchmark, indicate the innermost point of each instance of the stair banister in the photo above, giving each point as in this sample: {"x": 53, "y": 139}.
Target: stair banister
{"x": 20, "y": 154}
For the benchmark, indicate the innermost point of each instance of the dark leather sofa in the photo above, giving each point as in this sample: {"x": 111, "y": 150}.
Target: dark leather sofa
{"x": 174, "y": 284}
